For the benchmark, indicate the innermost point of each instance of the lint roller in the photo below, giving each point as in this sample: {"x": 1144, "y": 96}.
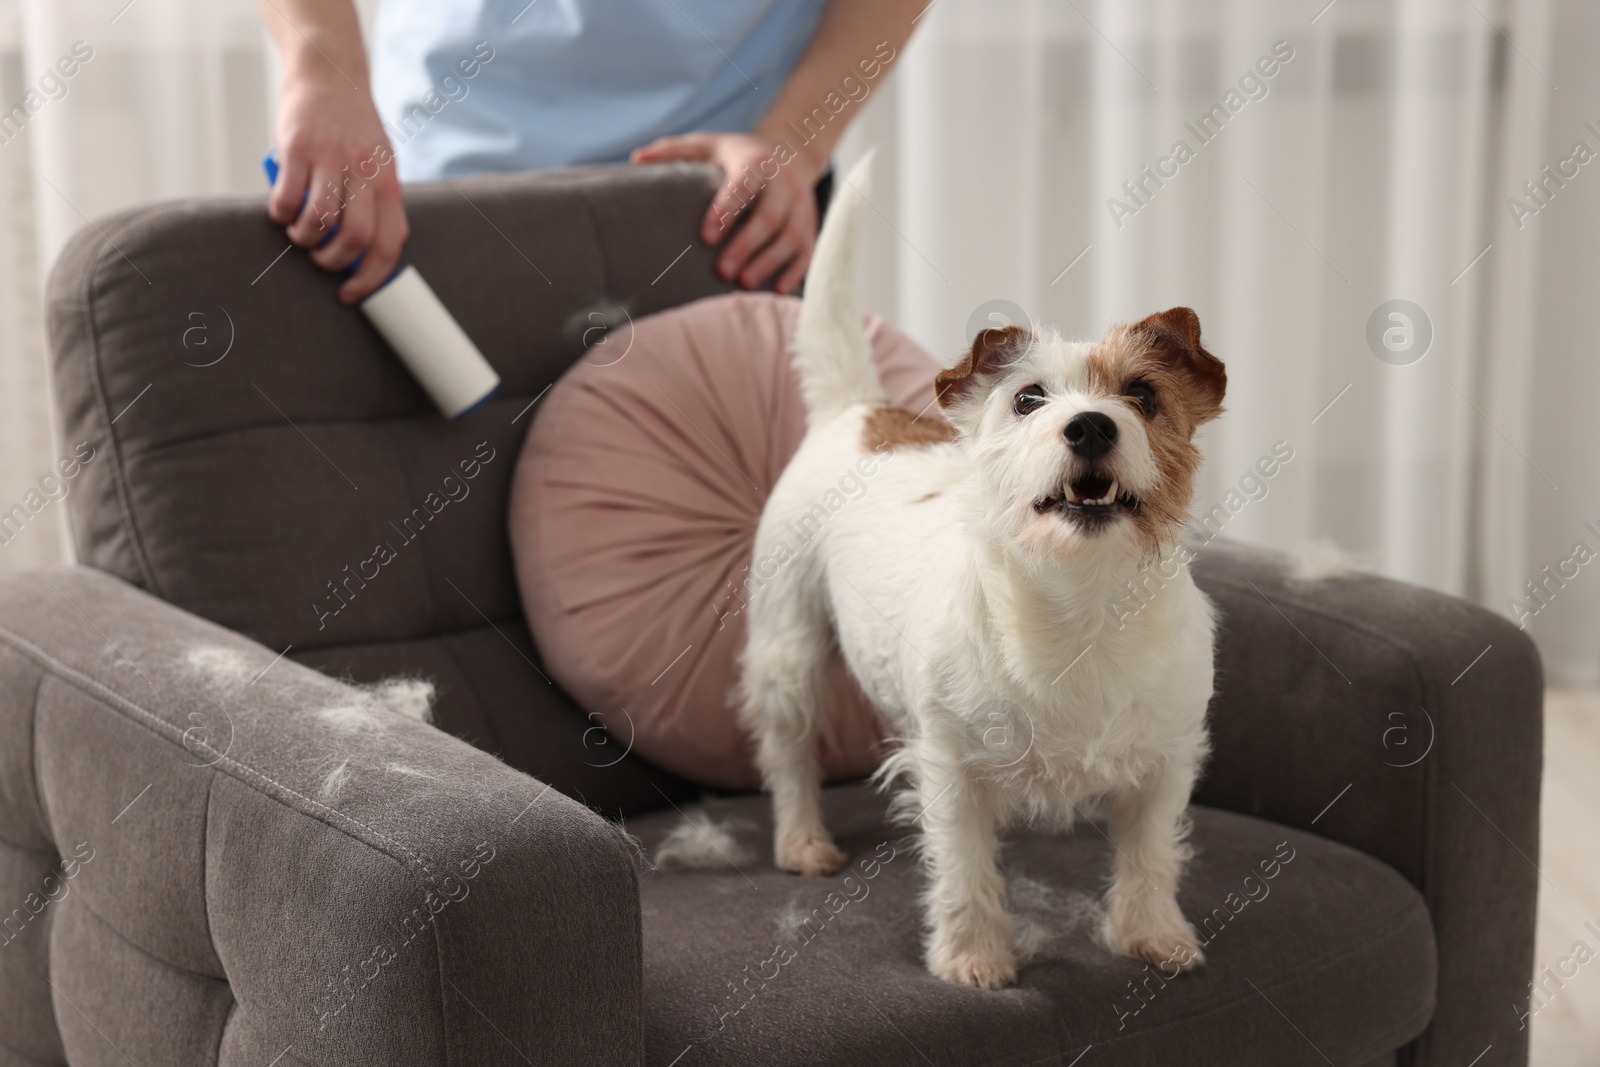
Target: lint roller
{"x": 432, "y": 345}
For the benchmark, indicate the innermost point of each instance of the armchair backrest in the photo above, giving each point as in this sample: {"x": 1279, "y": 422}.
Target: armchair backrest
{"x": 261, "y": 459}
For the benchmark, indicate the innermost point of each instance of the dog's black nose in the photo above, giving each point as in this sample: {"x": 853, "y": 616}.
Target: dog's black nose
{"x": 1091, "y": 434}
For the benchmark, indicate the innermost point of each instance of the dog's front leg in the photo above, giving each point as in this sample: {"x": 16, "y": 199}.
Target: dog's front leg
{"x": 970, "y": 936}
{"x": 1148, "y": 827}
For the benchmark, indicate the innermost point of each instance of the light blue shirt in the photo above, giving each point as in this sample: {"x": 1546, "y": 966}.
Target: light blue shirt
{"x": 477, "y": 85}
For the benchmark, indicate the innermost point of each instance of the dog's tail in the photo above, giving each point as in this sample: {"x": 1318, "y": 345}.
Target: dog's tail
{"x": 831, "y": 353}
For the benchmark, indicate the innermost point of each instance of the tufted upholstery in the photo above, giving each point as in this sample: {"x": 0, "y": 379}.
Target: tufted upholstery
{"x": 242, "y": 486}
{"x": 249, "y": 872}
{"x": 251, "y": 443}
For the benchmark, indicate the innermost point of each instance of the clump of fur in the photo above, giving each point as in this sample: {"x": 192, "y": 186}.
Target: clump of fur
{"x": 700, "y": 843}
{"x": 1323, "y": 561}
{"x": 411, "y": 697}
{"x": 1045, "y": 915}
{"x": 220, "y": 664}
{"x": 363, "y": 706}
{"x": 353, "y": 707}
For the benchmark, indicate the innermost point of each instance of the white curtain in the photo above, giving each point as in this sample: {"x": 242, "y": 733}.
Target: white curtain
{"x": 166, "y": 98}
{"x": 1376, "y": 167}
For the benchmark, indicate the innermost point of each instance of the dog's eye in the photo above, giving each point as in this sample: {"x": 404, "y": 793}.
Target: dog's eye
{"x": 1141, "y": 393}
{"x": 1030, "y": 397}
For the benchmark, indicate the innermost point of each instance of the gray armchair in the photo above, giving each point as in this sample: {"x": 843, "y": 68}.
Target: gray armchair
{"x": 217, "y": 847}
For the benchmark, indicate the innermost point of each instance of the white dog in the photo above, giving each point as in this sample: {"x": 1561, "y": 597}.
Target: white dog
{"x": 970, "y": 590}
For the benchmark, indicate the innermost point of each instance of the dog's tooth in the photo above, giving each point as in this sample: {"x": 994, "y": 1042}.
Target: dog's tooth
{"x": 1111, "y": 494}
{"x": 1072, "y": 495}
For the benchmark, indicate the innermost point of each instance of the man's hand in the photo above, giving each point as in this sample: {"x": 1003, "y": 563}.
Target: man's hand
{"x": 335, "y": 159}
{"x": 854, "y": 39}
{"x": 335, "y": 164}
{"x": 769, "y": 207}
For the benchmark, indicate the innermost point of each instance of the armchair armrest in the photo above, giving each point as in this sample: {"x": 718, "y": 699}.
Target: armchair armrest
{"x": 1407, "y": 724}
{"x": 209, "y": 853}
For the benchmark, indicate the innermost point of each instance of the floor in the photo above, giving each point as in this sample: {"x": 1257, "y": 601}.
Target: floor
{"x": 1566, "y": 1029}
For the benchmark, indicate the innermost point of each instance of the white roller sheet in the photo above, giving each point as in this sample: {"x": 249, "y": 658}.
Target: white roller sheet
{"x": 431, "y": 344}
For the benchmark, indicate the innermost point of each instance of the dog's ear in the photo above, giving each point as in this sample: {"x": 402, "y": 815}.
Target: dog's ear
{"x": 1174, "y": 339}
{"x": 993, "y": 350}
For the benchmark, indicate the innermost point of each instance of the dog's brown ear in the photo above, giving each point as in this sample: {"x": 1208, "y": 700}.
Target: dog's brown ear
{"x": 993, "y": 350}
{"x": 1174, "y": 336}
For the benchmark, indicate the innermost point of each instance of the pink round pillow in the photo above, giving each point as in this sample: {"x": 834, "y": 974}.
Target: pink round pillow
{"x": 633, "y": 515}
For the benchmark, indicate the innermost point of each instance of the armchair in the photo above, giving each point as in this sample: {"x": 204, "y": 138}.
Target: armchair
{"x": 216, "y": 848}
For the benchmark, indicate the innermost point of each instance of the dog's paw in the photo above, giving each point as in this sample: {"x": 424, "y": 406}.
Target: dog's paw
{"x": 1151, "y": 928}
{"x": 1171, "y": 948}
{"x": 815, "y": 856}
{"x": 994, "y": 971}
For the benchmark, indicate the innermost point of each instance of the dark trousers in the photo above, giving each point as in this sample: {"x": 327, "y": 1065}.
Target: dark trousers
{"x": 824, "y": 193}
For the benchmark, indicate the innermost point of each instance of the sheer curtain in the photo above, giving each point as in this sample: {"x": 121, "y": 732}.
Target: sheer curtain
{"x": 1373, "y": 164}
{"x": 165, "y": 98}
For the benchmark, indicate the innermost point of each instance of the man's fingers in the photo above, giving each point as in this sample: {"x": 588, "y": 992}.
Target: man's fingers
{"x": 357, "y": 224}
{"x": 766, "y": 219}
{"x": 720, "y": 217}
{"x": 732, "y": 201}
{"x": 780, "y": 250}
{"x": 803, "y": 226}
{"x": 320, "y": 215}
{"x": 793, "y": 243}
{"x": 384, "y": 251}
{"x": 693, "y": 146}
{"x": 744, "y": 184}
{"x": 795, "y": 273}
{"x": 289, "y": 191}
{"x": 795, "y": 240}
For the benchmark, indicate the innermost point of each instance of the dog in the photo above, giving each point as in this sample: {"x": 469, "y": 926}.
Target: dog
{"x": 977, "y": 574}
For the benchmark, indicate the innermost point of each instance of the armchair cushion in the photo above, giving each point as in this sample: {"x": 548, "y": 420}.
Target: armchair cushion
{"x": 1313, "y": 950}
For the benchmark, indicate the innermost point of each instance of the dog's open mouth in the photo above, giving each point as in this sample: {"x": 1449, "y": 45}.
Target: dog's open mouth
{"x": 1089, "y": 494}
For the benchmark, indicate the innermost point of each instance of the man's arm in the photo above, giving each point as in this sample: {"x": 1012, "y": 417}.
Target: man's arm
{"x": 780, "y": 228}
{"x": 852, "y": 32}
{"x": 335, "y": 158}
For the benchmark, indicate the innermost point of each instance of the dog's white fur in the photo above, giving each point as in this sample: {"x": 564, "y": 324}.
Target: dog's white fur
{"x": 950, "y": 594}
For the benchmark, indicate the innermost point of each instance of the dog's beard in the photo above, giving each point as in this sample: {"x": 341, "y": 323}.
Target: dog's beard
{"x": 1052, "y": 539}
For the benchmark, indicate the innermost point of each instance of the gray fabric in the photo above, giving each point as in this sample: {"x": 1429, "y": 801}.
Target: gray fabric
{"x": 1335, "y": 941}
{"x": 253, "y": 845}
{"x": 207, "y": 928}
{"x": 1323, "y": 685}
